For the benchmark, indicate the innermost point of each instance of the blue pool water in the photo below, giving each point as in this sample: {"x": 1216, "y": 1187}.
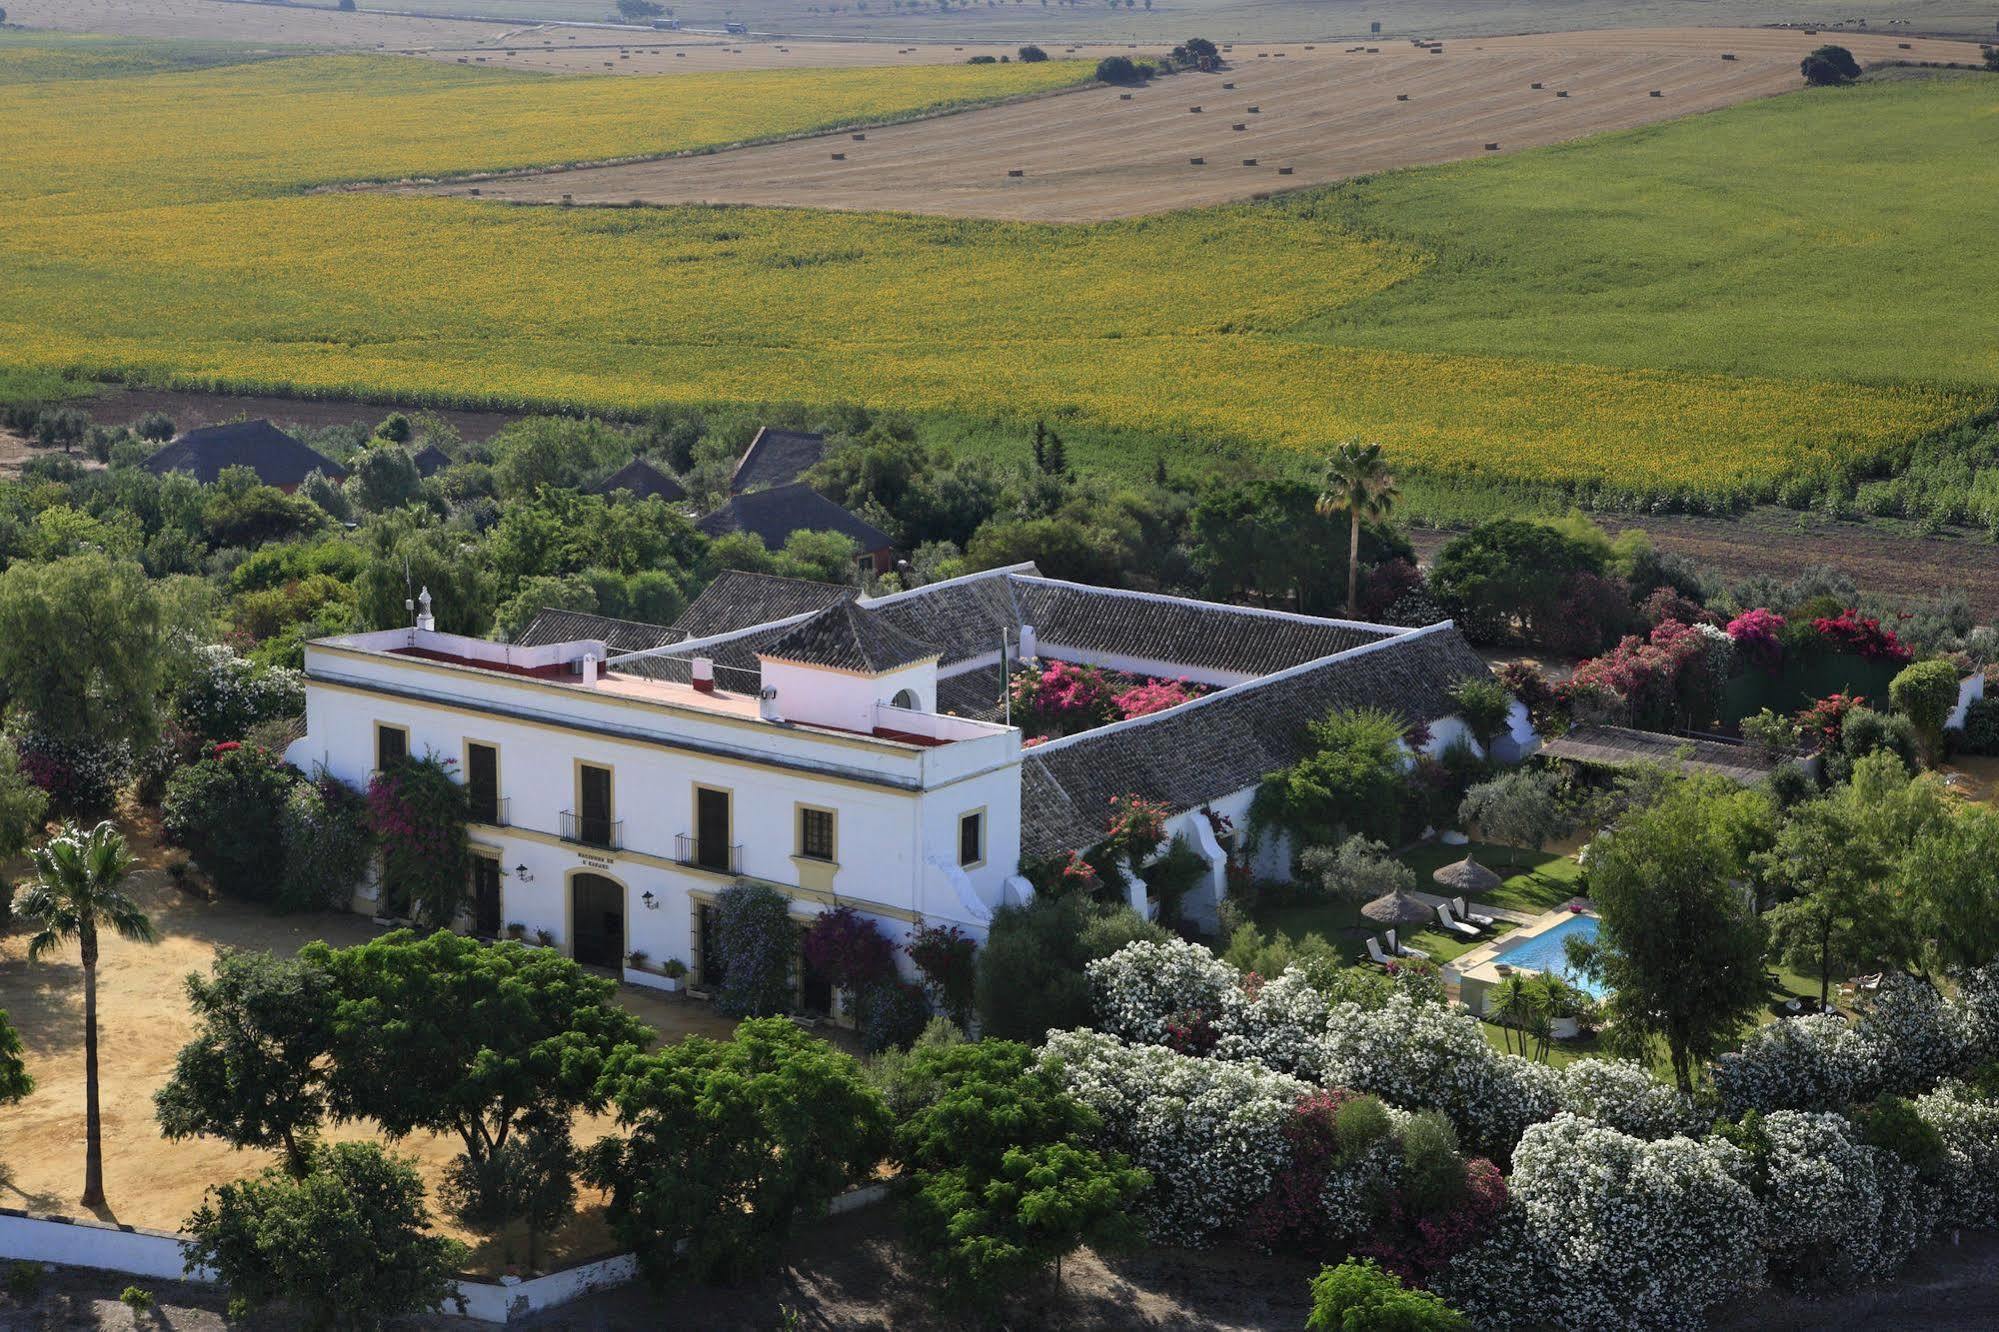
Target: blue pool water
{"x": 1545, "y": 952}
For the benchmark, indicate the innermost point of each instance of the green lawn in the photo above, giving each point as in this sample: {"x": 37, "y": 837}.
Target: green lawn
{"x": 1336, "y": 921}
{"x": 1534, "y": 880}
{"x": 1817, "y": 235}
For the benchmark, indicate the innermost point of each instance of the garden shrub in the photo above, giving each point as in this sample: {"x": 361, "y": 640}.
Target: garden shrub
{"x": 1836, "y": 1213}
{"x": 81, "y": 775}
{"x": 324, "y": 831}
{"x": 909, "y": 1083}
{"x": 758, "y": 943}
{"x": 849, "y": 949}
{"x": 224, "y": 695}
{"x": 228, "y": 811}
{"x": 1029, "y": 977}
{"x": 417, "y": 814}
{"x": 890, "y": 1015}
{"x": 1968, "y": 1127}
{"x": 1606, "y": 1230}
{"x": 1146, "y": 993}
{"x": 1351, "y": 782}
{"x": 945, "y": 957}
{"x": 1981, "y": 727}
{"x": 1925, "y": 692}
{"x": 1625, "y": 1096}
{"x": 1357, "y": 1296}
{"x": 1209, "y": 1132}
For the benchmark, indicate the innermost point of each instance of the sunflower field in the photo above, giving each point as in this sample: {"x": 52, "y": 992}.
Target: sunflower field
{"x": 185, "y": 228}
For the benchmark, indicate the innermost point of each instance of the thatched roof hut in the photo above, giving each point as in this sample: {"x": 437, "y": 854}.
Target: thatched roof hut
{"x": 1467, "y": 878}
{"x": 1398, "y": 908}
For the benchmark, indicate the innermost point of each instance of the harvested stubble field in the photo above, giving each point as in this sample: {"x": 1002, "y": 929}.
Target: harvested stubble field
{"x": 162, "y": 227}
{"x": 1306, "y": 114}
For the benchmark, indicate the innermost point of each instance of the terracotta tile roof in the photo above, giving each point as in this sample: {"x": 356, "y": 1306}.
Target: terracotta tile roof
{"x": 1231, "y": 739}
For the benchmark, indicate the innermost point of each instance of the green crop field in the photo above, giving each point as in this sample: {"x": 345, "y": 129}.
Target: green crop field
{"x": 1624, "y": 312}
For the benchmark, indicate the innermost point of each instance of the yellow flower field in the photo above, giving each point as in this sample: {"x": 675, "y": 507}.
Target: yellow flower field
{"x": 140, "y": 237}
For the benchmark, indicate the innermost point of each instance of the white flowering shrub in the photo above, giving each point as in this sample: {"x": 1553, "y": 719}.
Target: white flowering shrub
{"x": 1358, "y": 1183}
{"x": 1149, "y": 993}
{"x": 1836, "y": 1212}
{"x": 1970, "y": 1131}
{"x": 1804, "y": 1063}
{"x": 1626, "y": 1097}
{"x": 1427, "y": 1056}
{"x": 1282, "y": 1027}
{"x": 1978, "y": 1008}
{"x": 1605, "y": 1230}
{"x": 1210, "y": 1131}
{"x": 1916, "y": 1038}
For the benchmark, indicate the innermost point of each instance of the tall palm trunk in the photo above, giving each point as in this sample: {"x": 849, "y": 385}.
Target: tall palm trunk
{"x": 93, "y": 1122}
{"x": 1353, "y": 568}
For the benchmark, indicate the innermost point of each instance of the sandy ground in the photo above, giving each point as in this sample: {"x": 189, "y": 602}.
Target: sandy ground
{"x": 142, "y": 1023}
{"x": 1278, "y": 117}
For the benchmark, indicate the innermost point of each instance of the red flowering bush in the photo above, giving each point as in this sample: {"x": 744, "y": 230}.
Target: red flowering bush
{"x": 1061, "y": 699}
{"x": 849, "y": 949}
{"x": 1672, "y": 677}
{"x": 1290, "y": 1214}
{"x": 1387, "y": 583}
{"x": 1545, "y": 706}
{"x": 1594, "y": 610}
{"x": 1758, "y": 636}
{"x": 1135, "y": 828}
{"x": 1862, "y": 635}
{"x": 943, "y": 955}
{"x": 1827, "y": 717}
{"x": 1156, "y": 696}
{"x": 1669, "y": 603}
{"x": 1191, "y": 1032}
{"x": 1416, "y": 1246}
{"x": 417, "y": 814}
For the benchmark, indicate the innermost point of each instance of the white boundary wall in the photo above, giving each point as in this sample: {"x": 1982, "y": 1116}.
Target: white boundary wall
{"x": 157, "y": 1255}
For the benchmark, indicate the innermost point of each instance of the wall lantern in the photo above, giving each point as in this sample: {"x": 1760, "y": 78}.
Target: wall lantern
{"x": 652, "y": 903}
{"x": 521, "y": 873}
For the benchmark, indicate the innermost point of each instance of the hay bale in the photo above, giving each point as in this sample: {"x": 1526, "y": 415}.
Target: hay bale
{"x": 475, "y": 191}
{"x": 1285, "y": 171}
{"x": 1239, "y": 126}
{"x": 1194, "y": 110}
{"x": 1402, "y": 97}
{"x": 839, "y": 157}
{"x": 1534, "y": 85}
{"x": 1228, "y": 85}
{"x": 1254, "y": 110}
{"x": 859, "y": 137}
{"x": 1728, "y": 55}
{"x": 1563, "y": 93}
{"x": 1656, "y": 93}
{"x": 567, "y": 200}
{"x": 1492, "y": 147}
{"x": 1249, "y": 161}
{"x": 1124, "y": 97}
{"x": 1197, "y": 161}
{"x": 1016, "y": 174}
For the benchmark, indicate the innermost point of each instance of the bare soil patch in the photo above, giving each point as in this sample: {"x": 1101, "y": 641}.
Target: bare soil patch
{"x": 142, "y": 1023}
{"x": 1278, "y": 117}
{"x": 190, "y": 409}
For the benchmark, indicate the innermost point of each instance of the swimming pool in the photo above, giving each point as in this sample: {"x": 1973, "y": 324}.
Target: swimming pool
{"x": 1545, "y": 952}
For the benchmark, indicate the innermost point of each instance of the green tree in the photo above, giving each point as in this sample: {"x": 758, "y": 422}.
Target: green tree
{"x": 1003, "y": 1180}
{"x": 1926, "y": 692}
{"x": 80, "y": 648}
{"x": 1356, "y": 482}
{"x": 1357, "y": 1296}
{"x": 1030, "y": 972}
{"x": 382, "y": 477}
{"x": 1678, "y": 945}
{"x": 1485, "y": 707}
{"x": 1351, "y": 783}
{"x": 406, "y": 558}
{"x": 79, "y": 888}
{"x": 732, "y": 1144}
{"x": 1506, "y": 576}
{"x": 346, "y": 1245}
{"x": 1829, "y": 65}
{"x": 1521, "y": 807}
{"x": 531, "y": 1179}
{"x": 252, "y": 1074}
{"x": 1837, "y": 913}
{"x": 22, "y": 803}
{"x": 450, "y": 1035}
{"x": 15, "y": 1080}
{"x": 228, "y": 811}
{"x": 1949, "y": 879}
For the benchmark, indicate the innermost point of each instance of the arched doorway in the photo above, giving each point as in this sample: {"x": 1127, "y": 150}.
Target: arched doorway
{"x": 597, "y": 920}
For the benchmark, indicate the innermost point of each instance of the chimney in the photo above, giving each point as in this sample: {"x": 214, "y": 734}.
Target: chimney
{"x": 424, "y": 619}
{"x": 1027, "y": 643}
{"x": 589, "y": 670}
{"x": 704, "y": 674}
{"x": 767, "y": 705}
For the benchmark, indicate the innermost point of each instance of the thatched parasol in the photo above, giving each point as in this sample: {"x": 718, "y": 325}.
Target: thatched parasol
{"x": 1398, "y": 908}
{"x": 1467, "y": 878}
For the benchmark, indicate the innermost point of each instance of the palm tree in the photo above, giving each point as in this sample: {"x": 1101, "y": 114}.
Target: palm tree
{"x": 1513, "y": 1008}
{"x": 1357, "y": 483}
{"x": 79, "y": 885}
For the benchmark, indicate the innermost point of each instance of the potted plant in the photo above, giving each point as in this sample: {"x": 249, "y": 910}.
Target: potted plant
{"x": 544, "y": 938}
{"x": 666, "y": 976}
{"x": 674, "y": 974}
{"x": 636, "y": 959}
{"x": 517, "y": 931}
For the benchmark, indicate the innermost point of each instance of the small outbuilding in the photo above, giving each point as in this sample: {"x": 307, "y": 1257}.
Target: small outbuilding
{"x": 775, "y": 515}
{"x": 644, "y": 480}
{"x": 277, "y": 458}
{"x": 776, "y": 458}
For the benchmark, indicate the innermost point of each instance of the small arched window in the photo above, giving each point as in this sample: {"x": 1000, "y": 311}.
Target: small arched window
{"x": 906, "y": 698}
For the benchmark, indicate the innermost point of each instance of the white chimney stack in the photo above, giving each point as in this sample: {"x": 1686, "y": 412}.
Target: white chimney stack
{"x": 704, "y": 674}
{"x": 424, "y": 620}
{"x": 1027, "y": 643}
{"x": 767, "y": 705}
{"x": 589, "y": 670}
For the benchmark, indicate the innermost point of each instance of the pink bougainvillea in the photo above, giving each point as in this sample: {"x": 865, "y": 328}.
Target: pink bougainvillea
{"x": 1758, "y": 636}
{"x": 1156, "y": 696}
{"x": 1850, "y": 631}
{"x": 1058, "y": 698}
{"x": 1827, "y": 717}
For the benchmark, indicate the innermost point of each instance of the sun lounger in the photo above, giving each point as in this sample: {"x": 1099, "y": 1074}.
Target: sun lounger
{"x": 1400, "y": 949}
{"x": 1470, "y": 917}
{"x": 1455, "y": 926}
{"x": 1374, "y": 952}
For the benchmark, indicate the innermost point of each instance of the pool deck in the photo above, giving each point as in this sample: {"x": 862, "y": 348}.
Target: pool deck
{"x": 1469, "y": 976}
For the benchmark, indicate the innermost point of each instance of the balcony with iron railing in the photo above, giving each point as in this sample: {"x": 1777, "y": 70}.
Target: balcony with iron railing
{"x": 708, "y": 854}
{"x": 488, "y": 808}
{"x": 592, "y": 830}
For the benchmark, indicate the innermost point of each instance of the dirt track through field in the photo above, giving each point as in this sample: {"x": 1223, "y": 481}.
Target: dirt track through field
{"x": 1303, "y": 115}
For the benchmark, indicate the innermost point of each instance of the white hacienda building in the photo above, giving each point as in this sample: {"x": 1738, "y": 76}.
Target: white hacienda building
{"x": 847, "y": 749}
